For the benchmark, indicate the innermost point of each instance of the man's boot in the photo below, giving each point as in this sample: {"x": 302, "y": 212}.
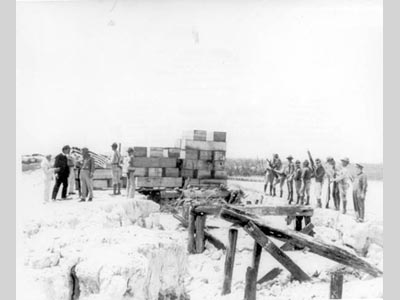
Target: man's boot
{"x": 114, "y": 189}
{"x": 274, "y": 191}
{"x": 270, "y": 189}
{"x": 290, "y": 197}
{"x": 344, "y": 207}
{"x": 265, "y": 188}
{"x": 119, "y": 189}
{"x": 308, "y": 200}
{"x": 319, "y": 204}
{"x": 281, "y": 195}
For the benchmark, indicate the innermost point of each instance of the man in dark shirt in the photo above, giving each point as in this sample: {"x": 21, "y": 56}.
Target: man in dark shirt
{"x": 280, "y": 176}
{"x": 306, "y": 178}
{"x": 62, "y": 173}
{"x": 289, "y": 173}
{"x": 297, "y": 180}
{"x": 319, "y": 174}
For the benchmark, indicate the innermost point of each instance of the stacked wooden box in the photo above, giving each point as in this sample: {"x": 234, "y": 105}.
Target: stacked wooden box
{"x": 203, "y": 157}
{"x": 158, "y": 169}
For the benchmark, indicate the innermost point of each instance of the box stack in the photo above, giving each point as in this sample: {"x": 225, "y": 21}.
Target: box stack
{"x": 203, "y": 160}
{"x": 160, "y": 170}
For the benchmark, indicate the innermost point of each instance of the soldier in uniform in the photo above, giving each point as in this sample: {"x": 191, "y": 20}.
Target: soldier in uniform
{"x": 86, "y": 175}
{"x": 297, "y": 180}
{"x": 319, "y": 174}
{"x": 343, "y": 179}
{"x": 269, "y": 181}
{"x": 360, "y": 186}
{"x": 279, "y": 176}
{"x": 289, "y": 173}
{"x": 116, "y": 169}
{"x": 131, "y": 186}
{"x": 306, "y": 178}
{"x": 62, "y": 173}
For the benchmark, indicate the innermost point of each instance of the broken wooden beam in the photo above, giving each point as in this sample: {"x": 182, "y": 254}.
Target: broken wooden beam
{"x": 252, "y": 273}
{"x": 229, "y": 261}
{"x": 275, "y": 252}
{"x": 284, "y": 210}
{"x": 270, "y": 275}
{"x": 191, "y": 228}
{"x": 208, "y": 236}
{"x": 306, "y": 230}
{"x": 336, "y": 286}
{"x": 200, "y": 223}
{"x": 330, "y": 251}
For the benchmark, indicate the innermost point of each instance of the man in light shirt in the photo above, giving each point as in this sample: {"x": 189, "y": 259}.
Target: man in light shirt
{"x": 360, "y": 186}
{"x": 48, "y": 174}
{"x": 343, "y": 179}
{"x": 116, "y": 170}
{"x": 86, "y": 175}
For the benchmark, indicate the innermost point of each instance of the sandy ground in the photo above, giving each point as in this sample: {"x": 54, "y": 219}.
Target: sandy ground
{"x": 205, "y": 271}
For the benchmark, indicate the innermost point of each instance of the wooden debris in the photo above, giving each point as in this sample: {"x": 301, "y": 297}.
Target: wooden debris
{"x": 229, "y": 261}
{"x": 200, "y": 222}
{"x": 191, "y": 228}
{"x": 336, "y": 287}
{"x": 277, "y": 253}
{"x": 270, "y": 275}
{"x": 330, "y": 251}
{"x": 306, "y": 230}
{"x": 252, "y": 273}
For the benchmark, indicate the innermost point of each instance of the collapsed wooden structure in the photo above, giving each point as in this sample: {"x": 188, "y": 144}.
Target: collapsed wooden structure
{"x": 248, "y": 218}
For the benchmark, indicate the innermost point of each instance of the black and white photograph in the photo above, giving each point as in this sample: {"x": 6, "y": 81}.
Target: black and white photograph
{"x": 199, "y": 149}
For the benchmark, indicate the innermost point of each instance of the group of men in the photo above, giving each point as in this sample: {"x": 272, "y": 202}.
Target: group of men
{"x": 298, "y": 177}
{"x": 63, "y": 170}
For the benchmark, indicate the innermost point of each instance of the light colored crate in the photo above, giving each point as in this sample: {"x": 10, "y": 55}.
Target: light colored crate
{"x": 156, "y": 152}
{"x": 100, "y": 183}
{"x": 171, "y": 172}
{"x": 203, "y": 145}
{"x": 187, "y": 173}
{"x": 191, "y": 154}
{"x": 205, "y": 155}
{"x": 174, "y": 152}
{"x": 155, "y": 172}
{"x": 102, "y": 174}
{"x": 219, "y": 155}
{"x": 219, "y": 165}
{"x": 200, "y": 135}
{"x": 140, "y": 151}
{"x": 153, "y": 162}
{"x": 158, "y": 182}
{"x": 204, "y": 165}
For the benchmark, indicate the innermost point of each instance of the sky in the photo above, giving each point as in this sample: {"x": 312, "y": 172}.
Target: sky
{"x": 277, "y": 76}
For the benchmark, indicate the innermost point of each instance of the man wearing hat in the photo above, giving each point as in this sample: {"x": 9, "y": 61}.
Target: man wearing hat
{"x": 86, "y": 175}
{"x": 343, "y": 179}
{"x": 289, "y": 172}
{"x": 280, "y": 176}
{"x": 61, "y": 173}
{"x": 297, "y": 180}
{"x": 306, "y": 177}
{"x": 116, "y": 169}
{"x": 131, "y": 186}
{"x": 360, "y": 186}
{"x": 319, "y": 174}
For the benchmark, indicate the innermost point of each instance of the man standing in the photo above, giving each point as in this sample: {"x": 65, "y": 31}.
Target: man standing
{"x": 71, "y": 177}
{"x": 306, "y": 178}
{"x": 289, "y": 173}
{"x": 62, "y": 173}
{"x": 360, "y": 186}
{"x": 319, "y": 174}
{"x": 86, "y": 175}
{"x": 297, "y": 180}
{"x": 131, "y": 176}
{"x": 116, "y": 169}
{"x": 48, "y": 173}
{"x": 343, "y": 178}
{"x": 279, "y": 176}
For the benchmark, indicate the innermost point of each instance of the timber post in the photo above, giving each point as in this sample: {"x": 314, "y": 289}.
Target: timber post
{"x": 252, "y": 273}
{"x": 229, "y": 261}
{"x": 191, "y": 228}
{"x": 336, "y": 288}
{"x": 200, "y": 223}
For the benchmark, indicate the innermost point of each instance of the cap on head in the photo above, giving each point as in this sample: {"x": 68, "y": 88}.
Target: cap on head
{"x": 289, "y": 157}
{"x": 317, "y": 160}
{"x": 306, "y": 163}
{"x": 114, "y": 145}
{"x": 360, "y": 166}
{"x": 85, "y": 149}
{"x": 130, "y": 150}
{"x": 66, "y": 147}
{"x": 276, "y": 155}
{"x": 345, "y": 160}
{"x": 298, "y": 162}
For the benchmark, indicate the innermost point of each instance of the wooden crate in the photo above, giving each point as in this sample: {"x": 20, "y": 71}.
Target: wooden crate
{"x": 170, "y": 172}
{"x": 155, "y": 172}
{"x": 100, "y": 184}
{"x": 204, "y": 165}
{"x": 205, "y": 155}
{"x": 156, "y": 152}
{"x": 199, "y": 135}
{"x": 174, "y": 152}
{"x": 154, "y": 162}
{"x": 219, "y": 155}
{"x": 187, "y": 173}
{"x": 140, "y": 151}
{"x": 220, "y": 175}
{"x": 214, "y": 181}
{"x": 191, "y": 154}
{"x": 159, "y": 182}
{"x": 219, "y": 165}
{"x": 203, "y": 174}
{"x": 204, "y": 145}
{"x": 102, "y": 174}
{"x": 141, "y": 172}
{"x": 190, "y": 164}
{"x": 219, "y": 136}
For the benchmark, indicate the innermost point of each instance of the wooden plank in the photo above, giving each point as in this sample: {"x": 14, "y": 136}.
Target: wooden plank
{"x": 154, "y": 162}
{"x": 204, "y": 145}
{"x": 219, "y": 136}
{"x": 200, "y": 223}
{"x": 327, "y": 250}
{"x": 214, "y": 181}
{"x": 336, "y": 286}
{"x": 170, "y": 172}
{"x": 275, "y": 252}
{"x": 252, "y": 273}
{"x": 156, "y": 152}
{"x": 155, "y": 172}
{"x": 306, "y": 230}
{"x": 229, "y": 261}
{"x": 205, "y": 155}
{"x": 219, "y": 155}
{"x": 283, "y": 210}
{"x": 191, "y": 229}
{"x": 140, "y": 151}
{"x": 270, "y": 275}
